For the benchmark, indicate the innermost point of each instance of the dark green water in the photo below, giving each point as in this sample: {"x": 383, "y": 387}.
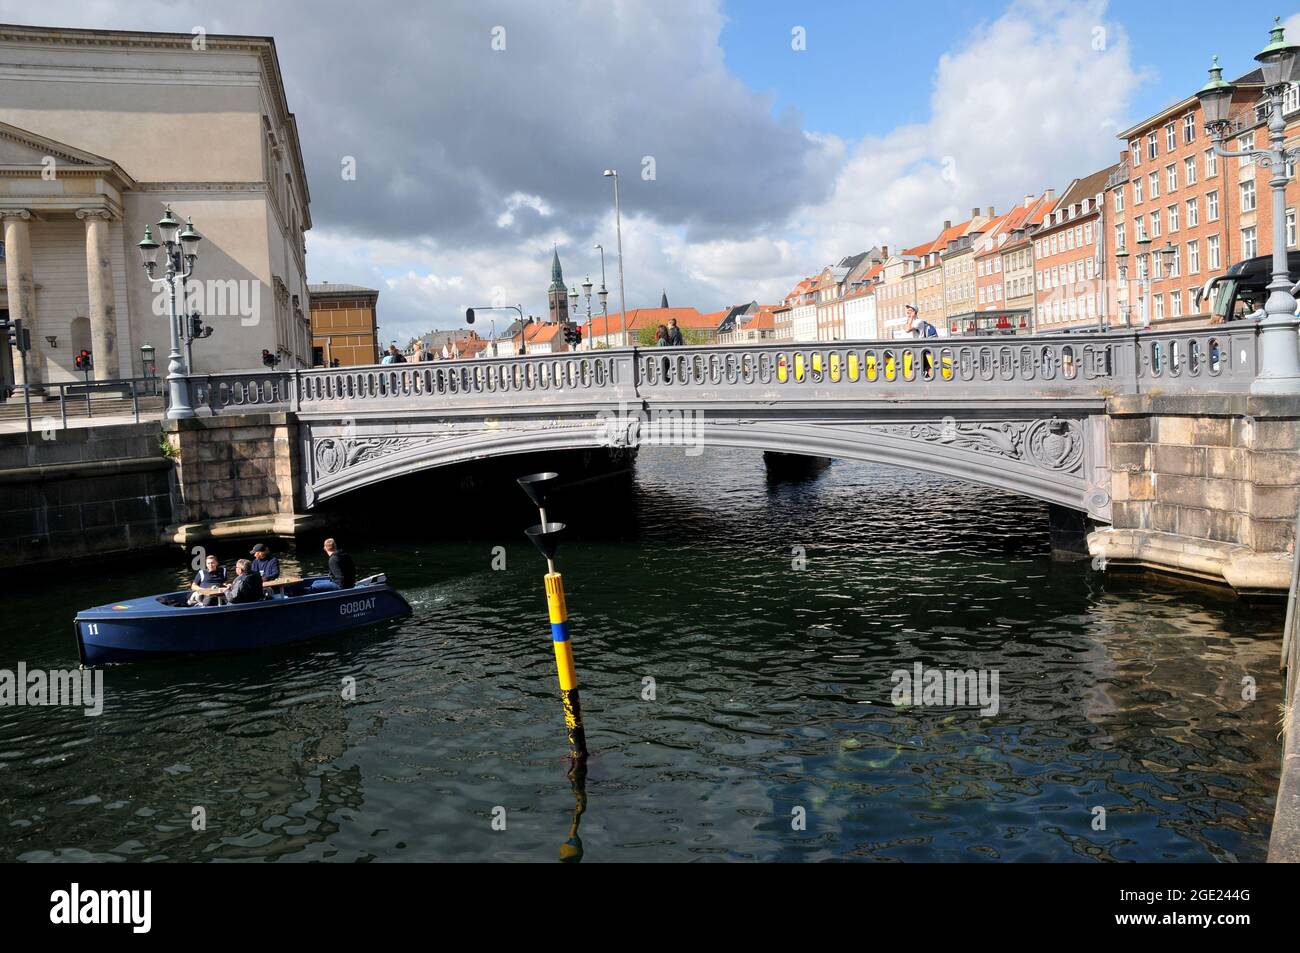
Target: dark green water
{"x": 772, "y": 693}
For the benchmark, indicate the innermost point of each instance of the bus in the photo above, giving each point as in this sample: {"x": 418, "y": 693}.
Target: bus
{"x": 1242, "y": 290}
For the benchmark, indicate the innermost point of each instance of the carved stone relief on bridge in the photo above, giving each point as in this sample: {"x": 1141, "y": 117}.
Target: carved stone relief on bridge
{"x": 1052, "y": 444}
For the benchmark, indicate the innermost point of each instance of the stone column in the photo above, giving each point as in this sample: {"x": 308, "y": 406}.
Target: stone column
{"x": 99, "y": 283}
{"x": 22, "y": 296}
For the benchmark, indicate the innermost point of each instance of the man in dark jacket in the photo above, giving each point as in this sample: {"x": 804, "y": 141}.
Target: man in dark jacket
{"x": 674, "y": 334}
{"x": 264, "y": 564}
{"x": 247, "y": 586}
{"x": 343, "y": 574}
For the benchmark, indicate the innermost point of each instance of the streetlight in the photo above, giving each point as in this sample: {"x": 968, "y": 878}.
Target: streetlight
{"x": 181, "y": 253}
{"x": 618, "y": 229}
{"x": 1279, "y": 345}
{"x": 602, "y": 294}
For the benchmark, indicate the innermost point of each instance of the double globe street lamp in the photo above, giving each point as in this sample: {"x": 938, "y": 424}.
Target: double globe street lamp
{"x": 1279, "y": 345}
{"x": 180, "y": 252}
{"x": 1167, "y": 255}
{"x": 602, "y": 294}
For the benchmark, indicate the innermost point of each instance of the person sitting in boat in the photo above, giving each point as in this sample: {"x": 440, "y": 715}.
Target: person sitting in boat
{"x": 211, "y": 576}
{"x": 264, "y": 564}
{"x": 247, "y": 586}
{"x": 343, "y": 574}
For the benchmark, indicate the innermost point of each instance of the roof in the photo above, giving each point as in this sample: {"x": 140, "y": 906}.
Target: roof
{"x": 326, "y": 288}
{"x": 638, "y": 318}
{"x": 1087, "y": 187}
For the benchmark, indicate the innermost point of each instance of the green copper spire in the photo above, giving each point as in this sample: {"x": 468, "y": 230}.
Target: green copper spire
{"x": 557, "y": 276}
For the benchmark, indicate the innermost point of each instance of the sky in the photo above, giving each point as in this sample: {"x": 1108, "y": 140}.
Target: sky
{"x": 756, "y": 140}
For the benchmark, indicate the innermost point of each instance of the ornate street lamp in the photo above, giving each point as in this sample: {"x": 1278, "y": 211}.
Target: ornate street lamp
{"x": 1279, "y": 345}
{"x": 603, "y": 295}
{"x": 180, "y": 252}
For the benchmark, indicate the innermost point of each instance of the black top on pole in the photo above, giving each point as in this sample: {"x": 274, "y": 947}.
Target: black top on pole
{"x": 537, "y": 485}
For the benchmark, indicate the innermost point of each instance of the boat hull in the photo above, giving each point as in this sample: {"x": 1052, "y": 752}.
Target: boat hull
{"x": 146, "y": 628}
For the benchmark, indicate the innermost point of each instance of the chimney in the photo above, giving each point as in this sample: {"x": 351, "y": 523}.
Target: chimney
{"x": 884, "y": 251}
{"x": 975, "y": 212}
{"x": 990, "y": 212}
{"x": 1029, "y": 200}
{"x": 947, "y": 224}
{"x": 1050, "y": 194}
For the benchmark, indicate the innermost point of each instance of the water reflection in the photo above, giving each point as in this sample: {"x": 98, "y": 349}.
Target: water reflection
{"x": 772, "y": 696}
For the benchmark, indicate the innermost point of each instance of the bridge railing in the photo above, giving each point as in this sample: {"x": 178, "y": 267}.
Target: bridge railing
{"x": 1218, "y": 359}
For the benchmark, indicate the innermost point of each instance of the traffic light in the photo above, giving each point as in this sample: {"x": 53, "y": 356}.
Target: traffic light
{"x": 197, "y": 330}
{"x": 469, "y": 315}
{"x": 20, "y": 338}
{"x": 269, "y": 359}
{"x": 84, "y": 361}
{"x": 572, "y": 335}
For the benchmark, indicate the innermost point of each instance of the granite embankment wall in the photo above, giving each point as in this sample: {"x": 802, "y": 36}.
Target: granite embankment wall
{"x": 66, "y": 494}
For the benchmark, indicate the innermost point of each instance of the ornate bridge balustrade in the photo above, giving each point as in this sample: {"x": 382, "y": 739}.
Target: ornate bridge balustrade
{"x": 1219, "y": 359}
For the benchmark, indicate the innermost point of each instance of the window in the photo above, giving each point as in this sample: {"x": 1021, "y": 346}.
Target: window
{"x": 1245, "y": 143}
{"x": 1135, "y": 149}
{"x": 1189, "y": 170}
{"x": 1212, "y": 207}
{"x": 1119, "y": 237}
{"x": 1153, "y": 185}
{"x": 1291, "y": 98}
{"x": 1211, "y": 163}
{"x": 1249, "y": 246}
{"x": 1193, "y": 214}
{"x": 1052, "y": 244}
{"x": 1212, "y": 252}
{"x": 1189, "y": 127}
{"x": 1157, "y": 265}
{"x": 1290, "y": 223}
{"x": 1171, "y": 138}
{"x": 1069, "y": 239}
{"x": 1248, "y": 195}
{"x": 1171, "y": 177}
{"x": 1119, "y": 200}
{"x": 1152, "y": 145}
{"x": 1193, "y": 257}
{"x": 1139, "y": 228}
{"x": 1137, "y": 190}
{"x": 1087, "y": 234}
{"x": 1155, "y": 224}
{"x": 1175, "y": 304}
{"x": 1175, "y": 265}
{"x": 1173, "y": 218}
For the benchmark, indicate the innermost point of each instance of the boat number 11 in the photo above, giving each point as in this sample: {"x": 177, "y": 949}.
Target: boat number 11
{"x": 92, "y": 628}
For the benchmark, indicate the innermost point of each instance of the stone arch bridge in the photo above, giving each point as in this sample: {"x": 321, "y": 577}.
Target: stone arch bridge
{"x": 1082, "y": 421}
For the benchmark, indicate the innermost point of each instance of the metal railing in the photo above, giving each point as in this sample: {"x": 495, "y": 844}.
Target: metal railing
{"x": 72, "y": 393}
{"x": 1217, "y": 358}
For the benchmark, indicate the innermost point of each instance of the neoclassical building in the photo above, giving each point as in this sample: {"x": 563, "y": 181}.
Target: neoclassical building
{"x": 99, "y": 130}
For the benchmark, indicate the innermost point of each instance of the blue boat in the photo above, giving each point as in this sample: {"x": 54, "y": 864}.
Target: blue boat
{"x": 164, "y": 625}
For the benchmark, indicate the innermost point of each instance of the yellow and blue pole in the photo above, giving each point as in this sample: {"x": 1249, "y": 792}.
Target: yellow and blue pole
{"x": 563, "y": 645}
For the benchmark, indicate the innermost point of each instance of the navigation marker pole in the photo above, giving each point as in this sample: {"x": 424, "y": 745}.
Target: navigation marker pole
{"x": 546, "y": 537}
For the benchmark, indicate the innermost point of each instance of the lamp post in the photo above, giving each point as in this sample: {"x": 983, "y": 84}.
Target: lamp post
{"x": 181, "y": 252}
{"x": 618, "y": 229}
{"x": 603, "y": 294}
{"x": 1279, "y": 345}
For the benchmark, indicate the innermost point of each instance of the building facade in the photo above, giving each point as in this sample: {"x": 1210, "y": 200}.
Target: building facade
{"x": 344, "y": 325}
{"x": 1070, "y": 258}
{"x": 99, "y": 131}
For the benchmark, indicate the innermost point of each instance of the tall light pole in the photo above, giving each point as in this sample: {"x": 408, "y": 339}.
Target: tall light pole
{"x": 603, "y": 294}
{"x": 618, "y": 230}
{"x": 1279, "y": 345}
{"x": 181, "y": 253}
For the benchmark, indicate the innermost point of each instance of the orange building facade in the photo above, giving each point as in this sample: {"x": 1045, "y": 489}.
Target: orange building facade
{"x": 344, "y": 325}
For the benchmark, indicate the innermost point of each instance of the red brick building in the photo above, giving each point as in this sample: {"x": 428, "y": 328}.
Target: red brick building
{"x": 1070, "y": 256}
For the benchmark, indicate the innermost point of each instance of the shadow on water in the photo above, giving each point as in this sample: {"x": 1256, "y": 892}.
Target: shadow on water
{"x": 737, "y": 638}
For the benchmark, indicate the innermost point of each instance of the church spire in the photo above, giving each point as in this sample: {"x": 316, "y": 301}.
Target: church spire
{"x": 557, "y": 276}
{"x": 663, "y": 302}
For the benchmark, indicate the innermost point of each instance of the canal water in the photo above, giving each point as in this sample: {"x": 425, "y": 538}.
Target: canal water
{"x": 737, "y": 639}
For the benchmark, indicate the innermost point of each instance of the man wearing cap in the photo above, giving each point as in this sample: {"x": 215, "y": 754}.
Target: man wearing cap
{"x": 264, "y": 564}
